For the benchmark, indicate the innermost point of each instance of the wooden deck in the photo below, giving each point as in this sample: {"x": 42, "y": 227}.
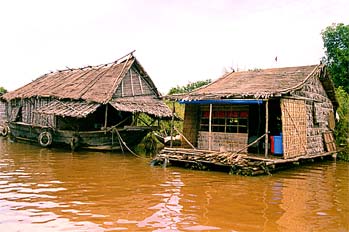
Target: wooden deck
{"x": 240, "y": 164}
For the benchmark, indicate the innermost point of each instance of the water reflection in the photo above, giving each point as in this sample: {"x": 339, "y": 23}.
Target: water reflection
{"x": 55, "y": 190}
{"x": 168, "y": 211}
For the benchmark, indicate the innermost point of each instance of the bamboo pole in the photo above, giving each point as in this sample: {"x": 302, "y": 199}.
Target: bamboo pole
{"x": 190, "y": 144}
{"x": 133, "y": 92}
{"x": 210, "y": 129}
{"x": 106, "y": 117}
{"x": 172, "y": 124}
{"x": 140, "y": 83}
{"x": 266, "y": 128}
{"x": 251, "y": 144}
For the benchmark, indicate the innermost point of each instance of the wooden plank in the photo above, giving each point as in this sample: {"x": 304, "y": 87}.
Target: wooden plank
{"x": 329, "y": 141}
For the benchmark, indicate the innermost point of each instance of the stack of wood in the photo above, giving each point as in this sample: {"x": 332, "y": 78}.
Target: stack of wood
{"x": 208, "y": 160}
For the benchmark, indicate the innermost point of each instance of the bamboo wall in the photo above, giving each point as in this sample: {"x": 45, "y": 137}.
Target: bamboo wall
{"x": 319, "y": 114}
{"x": 26, "y": 107}
{"x": 133, "y": 84}
{"x": 190, "y": 124}
{"x": 223, "y": 141}
{"x": 2, "y": 112}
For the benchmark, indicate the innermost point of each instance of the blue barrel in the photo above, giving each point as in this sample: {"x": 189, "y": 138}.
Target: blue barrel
{"x": 278, "y": 144}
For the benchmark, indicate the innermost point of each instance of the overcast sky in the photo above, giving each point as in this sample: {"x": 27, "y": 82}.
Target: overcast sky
{"x": 177, "y": 42}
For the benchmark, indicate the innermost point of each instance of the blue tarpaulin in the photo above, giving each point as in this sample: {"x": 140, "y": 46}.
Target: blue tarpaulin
{"x": 223, "y": 101}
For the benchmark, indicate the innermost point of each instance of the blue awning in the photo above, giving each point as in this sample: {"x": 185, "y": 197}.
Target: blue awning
{"x": 223, "y": 101}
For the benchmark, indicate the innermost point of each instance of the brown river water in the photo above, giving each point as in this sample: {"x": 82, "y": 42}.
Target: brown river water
{"x": 56, "y": 190}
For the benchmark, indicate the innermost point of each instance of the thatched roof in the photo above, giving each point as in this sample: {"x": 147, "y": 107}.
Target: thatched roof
{"x": 68, "y": 109}
{"x": 261, "y": 83}
{"x": 91, "y": 85}
{"x": 142, "y": 104}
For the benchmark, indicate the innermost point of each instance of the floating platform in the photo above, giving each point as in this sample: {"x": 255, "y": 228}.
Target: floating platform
{"x": 230, "y": 162}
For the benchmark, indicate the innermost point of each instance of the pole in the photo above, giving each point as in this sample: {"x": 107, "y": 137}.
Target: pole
{"x": 266, "y": 128}
{"x": 172, "y": 123}
{"x": 210, "y": 129}
{"x": 106, "y": 117}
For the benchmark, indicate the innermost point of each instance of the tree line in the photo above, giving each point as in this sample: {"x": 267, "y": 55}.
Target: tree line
{"x": 336, "y": 45}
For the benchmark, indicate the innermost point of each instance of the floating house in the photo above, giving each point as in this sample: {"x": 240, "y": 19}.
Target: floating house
{"x": 94, "y": 107}
{"x": 273, "y": 115}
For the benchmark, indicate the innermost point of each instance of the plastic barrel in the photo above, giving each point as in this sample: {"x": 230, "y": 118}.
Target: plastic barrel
{"x": 278, "y": 145}
{"x": 272, "y": 144}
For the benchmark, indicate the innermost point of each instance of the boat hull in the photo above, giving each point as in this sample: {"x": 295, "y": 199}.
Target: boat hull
{"x": 94, "y": 140}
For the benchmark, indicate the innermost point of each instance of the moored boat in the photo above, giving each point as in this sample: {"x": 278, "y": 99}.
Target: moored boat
{"x": 95, "y": 107}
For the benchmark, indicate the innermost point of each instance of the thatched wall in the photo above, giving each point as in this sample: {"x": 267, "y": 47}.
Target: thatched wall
{"x": 2, "y": 112}
{"x": 23, "y": 111}
{"x": 133, "y": 84}
{"x": 319, "y": 113}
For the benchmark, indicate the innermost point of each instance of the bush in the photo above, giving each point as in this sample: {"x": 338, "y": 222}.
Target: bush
{"x": 342, "y": 126}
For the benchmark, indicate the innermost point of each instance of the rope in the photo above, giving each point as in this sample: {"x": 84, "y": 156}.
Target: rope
{"x": 122, "y": 142}
{"x": 249, "y": 145}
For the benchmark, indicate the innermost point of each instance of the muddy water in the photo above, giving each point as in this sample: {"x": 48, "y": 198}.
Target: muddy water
{"x": 55, "y": 190}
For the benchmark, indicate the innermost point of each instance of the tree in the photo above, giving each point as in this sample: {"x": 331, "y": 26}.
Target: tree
{"x": 189, "y": 87}
{"x": 342, "y": 127}
{"x": 336, "y": 44}
{"x": 2, "y": 90}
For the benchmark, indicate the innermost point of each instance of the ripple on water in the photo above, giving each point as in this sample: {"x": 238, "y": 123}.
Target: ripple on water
{"x": 53, "y": 190}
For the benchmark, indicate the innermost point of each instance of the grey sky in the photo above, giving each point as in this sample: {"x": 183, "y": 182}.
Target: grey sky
{"x": 176, "y": 41}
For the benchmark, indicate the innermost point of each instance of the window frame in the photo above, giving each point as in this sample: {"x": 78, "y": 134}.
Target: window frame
{"x": 222, "y": 116}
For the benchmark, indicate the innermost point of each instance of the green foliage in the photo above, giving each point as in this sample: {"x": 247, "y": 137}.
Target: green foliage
{"x": 342, "y": 127}
{"x": 2, "y": 90}
{"x": 149, "y": 146}
{"x": 189, "y": 87}
{"x": 336, "y": 44}
{"x": 179, "y": 112}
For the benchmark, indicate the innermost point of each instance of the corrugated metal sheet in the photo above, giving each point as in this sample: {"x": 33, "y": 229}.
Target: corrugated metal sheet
{"x": 142, "y": 104}
{"x": 68, "y": 109}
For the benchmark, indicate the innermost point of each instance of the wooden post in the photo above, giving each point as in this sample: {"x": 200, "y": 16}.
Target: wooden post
{"x": 210, "y": 129}
{"x": 266, "y": 128}
{"x": 106, "y": 117}
{"x": 172, "y": 123}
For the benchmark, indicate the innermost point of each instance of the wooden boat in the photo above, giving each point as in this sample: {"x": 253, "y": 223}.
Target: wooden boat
{"x": 106, "y": 140}
{"x": 95, "y": 107}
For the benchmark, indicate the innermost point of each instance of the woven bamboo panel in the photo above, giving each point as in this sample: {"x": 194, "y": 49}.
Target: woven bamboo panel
{"x": 294, "y": 127}
{"x": 329, "y": 141}
{"x": 223, "y": 141}
{"x": 189, "y": 125}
